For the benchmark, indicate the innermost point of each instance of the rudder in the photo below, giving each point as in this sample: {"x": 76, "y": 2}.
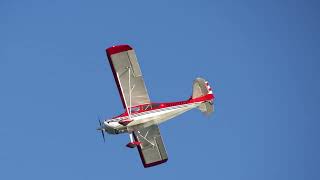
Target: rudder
{"x": 201, "y": 88}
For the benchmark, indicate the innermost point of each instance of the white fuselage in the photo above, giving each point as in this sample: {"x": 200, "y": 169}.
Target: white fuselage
{"x": 146, "y": 118}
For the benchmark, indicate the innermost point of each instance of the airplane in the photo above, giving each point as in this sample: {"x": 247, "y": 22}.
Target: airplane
{"x": 141, "y": 117}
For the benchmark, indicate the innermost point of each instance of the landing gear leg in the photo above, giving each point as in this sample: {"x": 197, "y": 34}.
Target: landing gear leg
{"x": 132, "y": 143}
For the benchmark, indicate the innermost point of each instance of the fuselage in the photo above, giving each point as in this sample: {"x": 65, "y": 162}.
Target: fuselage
{"x": 148, "y": 114}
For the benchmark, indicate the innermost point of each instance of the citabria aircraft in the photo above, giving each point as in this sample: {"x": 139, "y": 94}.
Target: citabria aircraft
{"x": 141, "y": 117}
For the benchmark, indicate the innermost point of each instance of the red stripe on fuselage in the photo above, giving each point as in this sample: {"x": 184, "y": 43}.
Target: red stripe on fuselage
{"x": 207, "y": 97}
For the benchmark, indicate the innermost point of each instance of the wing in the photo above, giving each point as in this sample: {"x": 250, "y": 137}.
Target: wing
{"x": 152, "y": 151}
{"x": 128, "y": 76}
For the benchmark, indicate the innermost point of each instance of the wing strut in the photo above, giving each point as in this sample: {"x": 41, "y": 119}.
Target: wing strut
{"x": 128, "y": 108}
{"x": 130, "y": 91}
{"x": 132, "y": 143}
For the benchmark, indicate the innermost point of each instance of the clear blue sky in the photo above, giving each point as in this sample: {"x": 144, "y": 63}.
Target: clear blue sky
{"x": 261, "y": 57}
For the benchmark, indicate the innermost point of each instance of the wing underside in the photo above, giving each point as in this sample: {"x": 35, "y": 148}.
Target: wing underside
{"x": 130, "y": 83}
{"x": 152, "y": 151}
{"x": 128, "y": 76}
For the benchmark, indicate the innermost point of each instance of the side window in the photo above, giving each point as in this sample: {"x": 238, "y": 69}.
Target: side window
{"x": 155, "y": 105}
{"x": 146, "y": 107}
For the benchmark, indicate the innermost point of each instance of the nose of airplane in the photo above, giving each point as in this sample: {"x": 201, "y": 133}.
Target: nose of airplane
{"x": 108, "y": 127}
{"x": 102, "y": 130}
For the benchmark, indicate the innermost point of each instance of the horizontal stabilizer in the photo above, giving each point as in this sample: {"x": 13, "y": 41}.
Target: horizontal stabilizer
{"x": 206, "y": 108}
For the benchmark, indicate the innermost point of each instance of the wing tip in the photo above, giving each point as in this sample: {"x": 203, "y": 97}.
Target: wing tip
{"x": 154, "y": 163}
{"x": 118, "y": 49}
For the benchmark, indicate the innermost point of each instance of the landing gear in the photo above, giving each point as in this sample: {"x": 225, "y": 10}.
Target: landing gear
{"x": 132, "y": 143}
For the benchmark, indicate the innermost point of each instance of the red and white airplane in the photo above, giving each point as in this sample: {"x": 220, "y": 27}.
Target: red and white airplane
{"x": 141, "y": 118}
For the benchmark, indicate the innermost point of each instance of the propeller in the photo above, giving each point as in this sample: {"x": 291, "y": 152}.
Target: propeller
{"x": 101, "y": 129}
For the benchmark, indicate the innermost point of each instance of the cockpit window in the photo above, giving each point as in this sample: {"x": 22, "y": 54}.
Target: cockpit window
{"x": 146, "y": 107}
{"x": 156, "y": 105}
{"x": 151, "y": 106}
{"x": 135, "y": 109}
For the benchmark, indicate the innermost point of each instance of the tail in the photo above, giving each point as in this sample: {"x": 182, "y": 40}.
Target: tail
{"x": 202, "y": 88}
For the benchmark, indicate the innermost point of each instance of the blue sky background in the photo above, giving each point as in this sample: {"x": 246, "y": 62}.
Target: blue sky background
{"x": 261, "y": 57}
